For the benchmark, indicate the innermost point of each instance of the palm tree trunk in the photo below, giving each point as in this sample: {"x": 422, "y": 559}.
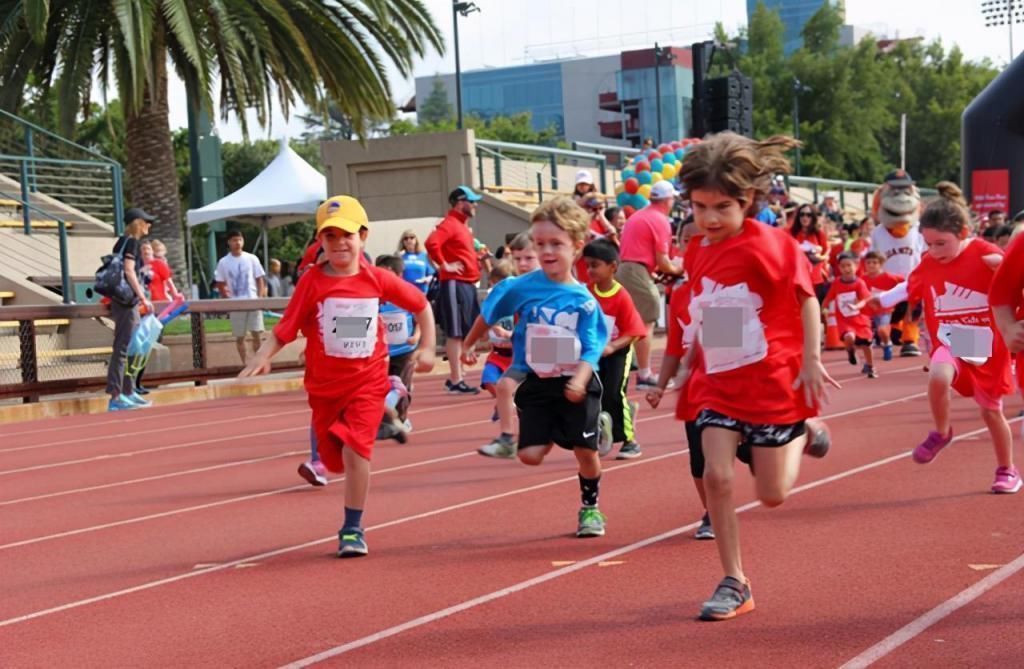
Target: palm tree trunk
{"x": 152, "y": 176}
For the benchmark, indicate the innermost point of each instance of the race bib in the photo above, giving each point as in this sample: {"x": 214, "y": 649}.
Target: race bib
{"x": 847, "y": 304}
{"x": 970, "y": 343}
{"x": 731, "y": 332}
{"x": 551, "y": 350}
{"x": 349, "y": 326}
{"x": 396, "y": 327}
{"x": 613, "y": 332}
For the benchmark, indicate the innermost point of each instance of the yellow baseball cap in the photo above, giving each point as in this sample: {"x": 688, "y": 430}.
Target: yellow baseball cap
{"x": 342, "y": 212}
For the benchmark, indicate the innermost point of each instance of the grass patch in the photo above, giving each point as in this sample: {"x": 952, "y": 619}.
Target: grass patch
{"x": 183, "y": 325}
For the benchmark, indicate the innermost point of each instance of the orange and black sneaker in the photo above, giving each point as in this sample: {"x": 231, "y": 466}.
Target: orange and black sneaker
{"x": 731, "y": 598}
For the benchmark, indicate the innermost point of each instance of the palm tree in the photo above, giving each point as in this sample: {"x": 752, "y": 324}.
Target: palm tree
{"x": 310, "y": 51}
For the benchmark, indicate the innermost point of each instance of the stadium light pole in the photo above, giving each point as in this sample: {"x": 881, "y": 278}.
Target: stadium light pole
{"x": 798, "y": 88}
{"x": 465, "y": 9}
{"x": 1003, "y": 13}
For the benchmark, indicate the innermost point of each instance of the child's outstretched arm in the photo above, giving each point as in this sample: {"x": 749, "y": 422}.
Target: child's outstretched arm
{"x": 426, "y": 352}
{"x": 260, "y": 363}
{"x": 476, "y": 333}
{"x": 813, "y": 378}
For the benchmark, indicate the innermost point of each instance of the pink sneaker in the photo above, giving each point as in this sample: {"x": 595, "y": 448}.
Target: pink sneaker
{"x": 1007, "y": 481}
{"x": 930, "y": 447}
{"x": 314, "y": 472}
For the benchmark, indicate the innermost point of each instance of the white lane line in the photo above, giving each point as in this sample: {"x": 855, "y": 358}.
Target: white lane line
{"x": 570, "y": 569}
{"x": 315, "y": 542}
{"x": 200, "y": 470}
{"x": 943, "y": 610}
{"x": 189, "y": 426}
{"x": 223, "y": 502}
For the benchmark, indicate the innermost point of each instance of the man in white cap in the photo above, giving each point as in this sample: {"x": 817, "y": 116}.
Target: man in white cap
{"x": 643, "y": 252}
{"x": 584, "y": 186}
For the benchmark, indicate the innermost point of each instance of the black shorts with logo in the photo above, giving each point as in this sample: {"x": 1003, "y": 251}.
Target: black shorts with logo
{"x": 754, "y": 434}
{"x": 546, "y": 416}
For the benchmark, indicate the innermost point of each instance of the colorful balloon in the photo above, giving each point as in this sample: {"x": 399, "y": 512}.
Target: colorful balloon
{"x": 664, "y": 148}
{"x": 643, "y": 166}
{"x": 639, "y": 201}
{"x": 644, "y": 177}
{"x": 668, "y": 171}
{"x": 657, "y": 164}
{"x": 623, "y": 198}
{"x": 680, "y": 153}
{"x": 670, "y": 158}
{"x": 645, "y": 190}
{"x": 628, "y": 173}
{"x": 629, "y": 210}
{"x": 631, "y": 185}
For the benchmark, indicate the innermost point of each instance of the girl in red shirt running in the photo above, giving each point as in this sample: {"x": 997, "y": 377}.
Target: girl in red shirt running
{"x": 755, "y": 322}
{"x": 1007, "y": 300}
{"x": 953, "y": 282}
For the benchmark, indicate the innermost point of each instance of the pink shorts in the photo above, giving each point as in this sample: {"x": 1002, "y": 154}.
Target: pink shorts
{"x": 963, "y": 380}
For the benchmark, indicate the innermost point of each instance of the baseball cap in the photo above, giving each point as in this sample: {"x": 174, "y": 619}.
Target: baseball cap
{"x": 463, "y": 193}
{"x": 899, "y": 178}
{"x": 136, "y": 212}
{"x": 663, "y": 190}
{"x": 584, "y": 177}
{"x": 342, "y": 212}
{"x": 593, "y": 203}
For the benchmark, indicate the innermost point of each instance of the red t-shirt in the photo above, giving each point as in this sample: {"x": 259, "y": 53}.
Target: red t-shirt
{"x": 620, "y": 313}
{"x": 955, "y": 297}
{"x": 819, "y": 271}
{"x": 675, "y": 346}
{"x": 1008, "y": 283}
{"x": 880, "y": 283}
{"x": 161, "y": 272}
{"x": 346, "y": 345}
{"x": 847, "y": 320}
{"x": 746, "y": 294}
{"x": 452, "y": 241}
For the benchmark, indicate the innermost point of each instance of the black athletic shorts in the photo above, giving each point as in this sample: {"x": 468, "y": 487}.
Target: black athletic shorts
{"x": 546, "y": 416}
{"x": 693, "y": 442}
{"x": 755, "y": 434}
{"x": 860, "y": 341}
{"x": 457, "y": 307}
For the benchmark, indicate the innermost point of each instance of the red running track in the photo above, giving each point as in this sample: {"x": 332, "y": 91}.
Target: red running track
{"x": 181, "y": 536}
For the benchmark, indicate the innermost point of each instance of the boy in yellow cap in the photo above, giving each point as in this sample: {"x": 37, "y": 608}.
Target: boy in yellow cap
{"x": 336, "y": 307}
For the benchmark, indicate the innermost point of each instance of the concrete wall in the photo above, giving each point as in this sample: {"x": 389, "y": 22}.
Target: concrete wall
{"x": 582, "y": 81}
{"x": 400, "y": 177}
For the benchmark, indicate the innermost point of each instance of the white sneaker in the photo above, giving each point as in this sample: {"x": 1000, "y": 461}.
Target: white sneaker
{"x": 604, "y": 439}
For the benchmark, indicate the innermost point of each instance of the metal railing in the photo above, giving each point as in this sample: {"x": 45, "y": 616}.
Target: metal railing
{"x": 27, "y": 210}
{"x": 44, "y": 162}
{"x": 504, "y": 151}
{"x": 864, "y": 188}
{"x": 37, "y": 356}
{"x": 621, "y": 152}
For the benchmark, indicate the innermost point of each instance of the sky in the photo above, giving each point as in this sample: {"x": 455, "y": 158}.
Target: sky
{"x": 506, "y": 33}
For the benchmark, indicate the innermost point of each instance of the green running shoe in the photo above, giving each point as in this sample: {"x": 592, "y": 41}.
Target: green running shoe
{"x": 591, "y": 522}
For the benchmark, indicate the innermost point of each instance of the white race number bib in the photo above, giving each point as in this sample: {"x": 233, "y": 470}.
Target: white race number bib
{"x": 970, "y": 343}
{"x": 847, "y": 304}
{"x": 731, "y": 332}
{"x": 349, "y": 326}
{"x": 551, "y": 350}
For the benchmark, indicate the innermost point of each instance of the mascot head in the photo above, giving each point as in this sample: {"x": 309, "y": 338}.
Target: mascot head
{"x": 897, "y": 204}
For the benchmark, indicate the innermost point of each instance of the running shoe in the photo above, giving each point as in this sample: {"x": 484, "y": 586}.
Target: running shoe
{"x": 407, "y": 424}
{"x": 909, "y": 350}
{"x": 705, "y": 531}
{"x": 870, "y": 371}
{"x": 351, "y": 543}
{"x": 389, "y": 430}
{"x": 731, "y": 598}
{"x": 604, "y": 438}
{"x": 887, "y": 352}
{"x": 1007, "y": 481}
{"x": 500, "y": 447}
{"x": 460, "y": 388}
{"x": 494, "y": 416}
{"x": 629, "y": 451}
{"x": 851, "y": 355}
{"x": 314, "y": 472}
{"x": 138, "y": 400}
{"x": 121, "y": 403}
{"x": 591, "y": 522}
{"x": 819, "y": 439}
{"x": 930, "y": 447}
{"x": 647, "y": 382}
{"x": 142, "y": 390}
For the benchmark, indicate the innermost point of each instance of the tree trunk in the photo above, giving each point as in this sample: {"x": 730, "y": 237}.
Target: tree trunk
{"x": 152, "y": 176}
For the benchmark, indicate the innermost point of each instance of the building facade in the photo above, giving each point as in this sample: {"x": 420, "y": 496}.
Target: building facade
{"x": 794, "y": 15}
{"x": 604, "y": 99}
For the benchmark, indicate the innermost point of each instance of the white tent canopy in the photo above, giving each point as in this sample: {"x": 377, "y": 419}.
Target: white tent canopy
{"x": 286, "y": 191}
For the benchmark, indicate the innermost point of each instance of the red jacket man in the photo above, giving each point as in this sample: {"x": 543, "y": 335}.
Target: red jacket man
{"x": 450, "y": 247}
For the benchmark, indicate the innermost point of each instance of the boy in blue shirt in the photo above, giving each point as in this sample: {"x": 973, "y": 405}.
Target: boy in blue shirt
{"x": 557, "y": 344}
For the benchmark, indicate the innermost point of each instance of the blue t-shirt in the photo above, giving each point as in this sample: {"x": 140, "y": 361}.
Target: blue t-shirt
{"x": 537, "y": 300}
{"x": 417, "y": 268}
{"x": 768, "y": 217}
{"x": 397, "y": 328}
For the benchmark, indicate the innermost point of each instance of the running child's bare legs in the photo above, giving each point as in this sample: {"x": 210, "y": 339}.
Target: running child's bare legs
{"x": 589, "y": 461}
{"x": 534, "y": 455}
{"x": 1002, "y": 437}
{"x": 776, "y": 470}
{"x": 719, "y": 454}
{"x": 357, "y": 479}
{"x": 505, "y": 394}
{"x": 940, "y": 380}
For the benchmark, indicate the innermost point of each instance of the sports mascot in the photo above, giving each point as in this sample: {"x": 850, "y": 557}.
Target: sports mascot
{"x": 896, "y": 208}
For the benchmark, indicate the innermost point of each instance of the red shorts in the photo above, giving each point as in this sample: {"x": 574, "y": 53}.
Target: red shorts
{"x": 965, "y": 382}
{"x": 347, "y": 422}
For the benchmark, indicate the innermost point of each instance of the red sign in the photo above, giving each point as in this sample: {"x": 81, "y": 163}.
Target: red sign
{"x": 990, "y": 191}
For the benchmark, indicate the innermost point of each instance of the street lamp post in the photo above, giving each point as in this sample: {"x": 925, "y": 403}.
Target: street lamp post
{"x": 464, "y": 8}
{"x": 1003, "y": 13}
{"x": 798, "y": 88}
